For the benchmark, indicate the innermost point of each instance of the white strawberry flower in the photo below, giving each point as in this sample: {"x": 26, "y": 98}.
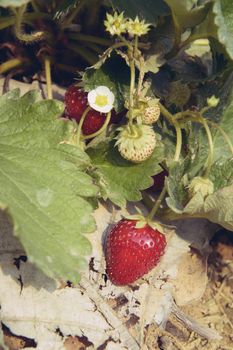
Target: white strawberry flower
{"x": 101, "y": 99}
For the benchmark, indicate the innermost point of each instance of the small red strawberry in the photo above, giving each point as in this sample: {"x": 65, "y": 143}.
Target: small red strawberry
{"x": 132, "y": 252}
{"x": 93, "y": 122}
{"x": 75, "y": 102}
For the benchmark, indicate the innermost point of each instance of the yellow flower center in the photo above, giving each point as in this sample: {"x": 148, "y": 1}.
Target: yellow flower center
{"x": 101, "y": 100}
{"x": 117, "y": 23}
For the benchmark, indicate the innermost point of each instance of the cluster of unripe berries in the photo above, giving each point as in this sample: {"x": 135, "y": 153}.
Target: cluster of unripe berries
{"x": 136, "y": 142}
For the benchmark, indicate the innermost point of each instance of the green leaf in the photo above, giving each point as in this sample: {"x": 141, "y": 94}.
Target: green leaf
{"x": 222, "y": 174}
{"x": 121, "y": 180}
{"x": 153, "y": 62}
{"x": 168, "y": 136}
{"x": 44, "y": 185}
{"x": 221, "y": 149}
{"x": 218, "y": 207}
{"x": 13, "y": 3}
{"x": 223, "y": 11}
{"x": 218, "y": 25}
{"x": 221, "y": 116}
{"x": 115, "y": 75}
{"x": 176, "y": 186}
{"x": 148, "y": 10}
{"x": 27, "y": 120}
{"x": 185, "y": 14}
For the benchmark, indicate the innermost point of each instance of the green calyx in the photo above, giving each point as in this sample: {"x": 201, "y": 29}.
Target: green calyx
{"x": 130, "y": 132}
{"x": 143, "y": 221}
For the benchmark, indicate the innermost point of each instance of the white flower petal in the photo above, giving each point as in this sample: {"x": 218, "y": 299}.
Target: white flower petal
{"x": 91, "y": 96}
{"x": 111, "y": 97}
{"x": 102, "y": 90}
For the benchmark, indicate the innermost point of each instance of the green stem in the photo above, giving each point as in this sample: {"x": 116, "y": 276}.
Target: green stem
{"x": 35, "y": 6}
{"x": 27, "y": 18}
{"x": 19, "y": 33}
{"x": 47, "y": 64}
{"x": 157, "y": 204}
{"x": 7, "y": 22}
{"x": 92, "y": 15}
{"x": 141, "y": 77}
{"x": 94, "y": 47}
{"x": 193, "y": 38}
{"x": 149, "y": 203}
{"x": 211, "y": 148}
{"x": 90, "y": 38}
{"x": 73, "y": 14}
{"x": 108, "y": 52}
{"x": 66, "y": 68}
{"x": 178, "y": 141}
{"x": 79, "y": 130}
{"x": 86, "y": 54}
{"x": 176, "y": 45}
{"x": 198, "y": 118}
{"x": 175, "y": 124}
{"x": 166, "y": 113}
{"x": 162, "y": 195}
{"x": 132, "y": 86}
{"x": 10, "y": 64}
{"x": 141, "y": 66}
{"x": 169, "y": 215}
{"x": 185, "y": 114}
{"x": 97, "y": 133}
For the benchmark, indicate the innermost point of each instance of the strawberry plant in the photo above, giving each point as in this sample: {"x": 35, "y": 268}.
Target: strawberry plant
{"x": 148, "y": 87}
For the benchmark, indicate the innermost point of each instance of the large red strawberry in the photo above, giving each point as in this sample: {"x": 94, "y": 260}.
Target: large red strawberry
{"x": 76, "y": 103}
{"x": 132, "y": 252}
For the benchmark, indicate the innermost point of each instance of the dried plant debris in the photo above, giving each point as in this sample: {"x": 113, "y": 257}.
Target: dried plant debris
{"x": 96, "y": 310}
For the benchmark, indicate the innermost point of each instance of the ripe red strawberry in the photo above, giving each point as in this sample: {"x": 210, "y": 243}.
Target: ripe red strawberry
{"x": 132, "y": 252}
{"x": 76, "y": 102}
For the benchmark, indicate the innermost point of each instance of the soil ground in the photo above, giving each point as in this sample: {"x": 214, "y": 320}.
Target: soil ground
{"x": 215, "y": 310}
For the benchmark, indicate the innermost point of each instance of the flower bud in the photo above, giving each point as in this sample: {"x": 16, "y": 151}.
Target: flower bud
{"x": 212, "y": 101}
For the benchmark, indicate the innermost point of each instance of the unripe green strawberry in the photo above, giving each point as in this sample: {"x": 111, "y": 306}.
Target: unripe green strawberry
{"x": 136, "y": 143}
{"x": 147, "y": 110}
{"x": 151, "y": 115}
